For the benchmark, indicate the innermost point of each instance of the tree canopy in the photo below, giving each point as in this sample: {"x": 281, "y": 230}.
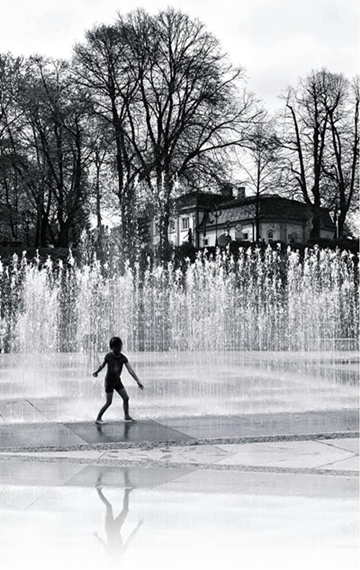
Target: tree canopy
{"x": 149, "y": 108}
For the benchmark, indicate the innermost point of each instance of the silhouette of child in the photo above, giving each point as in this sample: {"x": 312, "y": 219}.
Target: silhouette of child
{"x": 115, "y": 361}
{"x": 115, "y": 546}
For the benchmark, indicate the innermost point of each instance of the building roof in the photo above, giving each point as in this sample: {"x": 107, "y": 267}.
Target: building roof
{"x": 202, "y": 200}
{"x": 271, "y": 207}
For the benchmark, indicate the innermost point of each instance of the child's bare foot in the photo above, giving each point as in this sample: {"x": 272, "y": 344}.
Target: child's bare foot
{"x": 100, "y": 422}
{"x": 129, "y": 419}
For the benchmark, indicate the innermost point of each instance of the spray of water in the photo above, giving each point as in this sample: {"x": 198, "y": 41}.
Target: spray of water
{"x": 267, "y": 331}
{"x": 260, "y": 301}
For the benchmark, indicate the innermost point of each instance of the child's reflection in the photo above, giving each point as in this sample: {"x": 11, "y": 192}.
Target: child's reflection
{"x": 126, "y": 430}
{"x": 115, "y": 545}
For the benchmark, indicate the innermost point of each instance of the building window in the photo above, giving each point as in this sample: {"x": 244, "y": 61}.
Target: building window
{"x": 293, "y": 237}
{"x": 185, "y": 223}
{"x": 270, "y": 236}
{"x": 172, "y": 225}
{"x": 206, "y": 241}
{"x": 245, "y": 236}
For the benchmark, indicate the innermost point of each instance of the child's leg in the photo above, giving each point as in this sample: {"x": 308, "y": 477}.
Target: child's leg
{"x": 109, "y": 397}
{"x": 123, "y": 393}
{"x": 120, "y": 519}
{"x": 109, "y": 510}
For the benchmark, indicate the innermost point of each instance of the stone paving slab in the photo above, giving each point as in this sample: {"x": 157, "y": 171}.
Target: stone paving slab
{"x": 22, "y": 472}
{"x": 35, "y": 475}
{"x": 349, "y": 444}
{"x": 269, "y": 484}
{"x": 329, "y": 421}
{"x": 293, "y": 454}
{"x": 28, "y": 473}
{"x": 282, "y": 456}
{"x": 131, "y": 476}
{"x": 28, "y": 496}
{"x": 88, "y": 455}
{"x": 350, "y": 464}
{"x": 38, "y": 435}
{"x": 10, "y": 409}
{"x": 126, "y": 431}
{"x": 296, "y": 454}
{"x": 235, "y": 429}
{"x": 194, "y": 455}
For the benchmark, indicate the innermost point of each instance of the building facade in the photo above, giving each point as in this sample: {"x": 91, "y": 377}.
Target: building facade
{"x": 206, "y": 220}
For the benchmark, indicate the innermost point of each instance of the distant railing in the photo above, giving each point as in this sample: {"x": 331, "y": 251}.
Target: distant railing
{"x": 237, "y": 345}
{"x": 334, "y": 344}
{"x": 312, "y": 344}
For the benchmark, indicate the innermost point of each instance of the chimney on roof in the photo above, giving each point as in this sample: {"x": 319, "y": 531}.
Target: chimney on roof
{"x": 239, "y": 192}
{"x": 227, "y": 190}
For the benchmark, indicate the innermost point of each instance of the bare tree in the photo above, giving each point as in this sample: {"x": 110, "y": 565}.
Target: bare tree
{"x": 100, "y": 66}
{"x": 12, "y": 196}
{"x": 190, "y": 106}
{"x": 320, "y": 140}
{"x": 341, "y": 166}
{"x": 101, "y": 145}
{"x": 55, "y": 130}
{"x": 261, "y": 167}
{"x": 173, "y": 102}
{"x": 305, "y": 129}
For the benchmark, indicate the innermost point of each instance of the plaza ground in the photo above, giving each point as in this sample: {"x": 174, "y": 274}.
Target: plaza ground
{"x": 255, "y": 491}
{"x": 244, "y": 460}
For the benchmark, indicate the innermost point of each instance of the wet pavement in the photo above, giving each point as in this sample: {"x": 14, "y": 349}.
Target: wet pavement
{"x": 312, "y": 442}
{"x": 256, "y": 491}
{"x": 219, "y": 429}
{"x": 76, "y": 516}
{"x": 329, "y": 456}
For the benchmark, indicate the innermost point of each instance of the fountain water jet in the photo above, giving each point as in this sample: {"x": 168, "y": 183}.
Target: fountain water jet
{"x": 224, "y": 335}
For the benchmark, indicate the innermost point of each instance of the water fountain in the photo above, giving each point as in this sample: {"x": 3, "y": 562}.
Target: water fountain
{"x": 266, "y": 331}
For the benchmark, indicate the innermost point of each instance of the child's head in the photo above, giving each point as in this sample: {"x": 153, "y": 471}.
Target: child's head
{"x": 116, "y": 344}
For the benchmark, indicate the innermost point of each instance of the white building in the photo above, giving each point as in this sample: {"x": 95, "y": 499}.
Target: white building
{"x": 207, "y": 220}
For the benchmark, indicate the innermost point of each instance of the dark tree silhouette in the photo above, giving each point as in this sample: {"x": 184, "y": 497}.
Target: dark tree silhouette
{"x": 320, "y": 139}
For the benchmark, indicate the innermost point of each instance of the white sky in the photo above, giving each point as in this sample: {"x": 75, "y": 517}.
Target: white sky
{"x": 275, "y": 40}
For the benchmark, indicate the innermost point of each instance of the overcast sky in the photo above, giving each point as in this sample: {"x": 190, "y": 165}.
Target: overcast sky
{"x": 275, "y": 40}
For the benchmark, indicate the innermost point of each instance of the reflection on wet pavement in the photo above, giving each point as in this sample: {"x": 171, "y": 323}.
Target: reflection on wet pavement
{"x": 114, "y": 545}
{"x": 103, "y": 517}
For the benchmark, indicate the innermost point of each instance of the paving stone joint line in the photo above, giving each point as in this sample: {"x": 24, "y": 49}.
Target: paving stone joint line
{"x": 147, "y": 444}
{"x": 335, "y": 446}
{"x": 152, "y": 463}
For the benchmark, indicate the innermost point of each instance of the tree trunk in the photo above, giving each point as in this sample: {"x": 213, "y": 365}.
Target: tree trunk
{"x": 257, "y": 219}
{"x": 98, "y": 198}
{"x": 164, "y": 229}
{"x": 341, "y": 222}
{"x": 44, "y": 229}
{"x": 63, "y": 240}
{"x": 316, "y": 222}
{"x": 164, "y": 190}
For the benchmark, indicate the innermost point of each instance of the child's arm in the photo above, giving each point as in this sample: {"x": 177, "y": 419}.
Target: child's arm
{"x": 132, "y": 535}
{"x": 102, "y": 365}
{"x": 133, "y": 374}
{"x": 100, "y": 539}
